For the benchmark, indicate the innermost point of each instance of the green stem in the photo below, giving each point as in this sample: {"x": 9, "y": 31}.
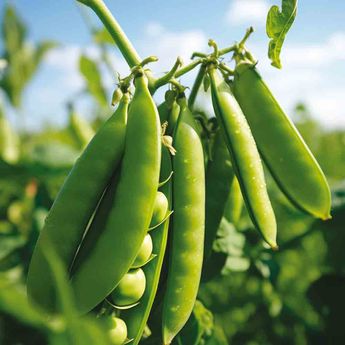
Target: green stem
{"x": 249, "y": 31}
{"x": 166, "y": 77}
{"x": 120, "y": 38}
{"x": 198, "y": 54}
{"x": 196, "y": 86}
{"x": 227, "y": 50}
{"x": 187, "y": 68}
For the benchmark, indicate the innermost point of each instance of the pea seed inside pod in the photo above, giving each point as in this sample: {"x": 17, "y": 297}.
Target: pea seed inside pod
{"x": 130, "y": 289}
{"x": 144, "y": 253}
{"x": 117, "y": 330}
{"x": 160, "y": 209}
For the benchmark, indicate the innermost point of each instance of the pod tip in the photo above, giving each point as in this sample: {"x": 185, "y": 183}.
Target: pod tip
{"x": 327, "y": 217}
{"x": 274, "y": 247}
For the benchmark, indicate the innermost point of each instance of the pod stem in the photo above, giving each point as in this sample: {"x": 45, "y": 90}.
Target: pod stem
{"x": 115, "y": 30}
{"x": 196, "y": 86}
{"x": 168, "y": 76}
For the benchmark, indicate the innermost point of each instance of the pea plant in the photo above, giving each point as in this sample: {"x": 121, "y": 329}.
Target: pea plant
{"x": 135, "y": 225}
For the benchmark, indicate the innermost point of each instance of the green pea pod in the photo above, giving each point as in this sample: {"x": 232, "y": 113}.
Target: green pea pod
{"x": 245, "y": 157}
{"x": 73, "y": 207}
{"x": 234, "y": 203}
{"x": 285, "y": 153}
{"x": 81, "y": 129}
{"x": 169, "y": 111}
{"x": 136, "y": 318}
{"x": 9, "y": 141}
{"x": 219, "y": 176}
{"x": 98, "y": 223}
{"x": 188, "y": 225}
{"x": 114, "y": 252}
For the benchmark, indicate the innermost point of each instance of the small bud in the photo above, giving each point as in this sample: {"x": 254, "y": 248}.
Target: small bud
{"x": 117, "y": 95}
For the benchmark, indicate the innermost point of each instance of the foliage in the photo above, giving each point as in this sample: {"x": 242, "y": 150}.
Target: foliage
{"x": 278, "y": 24}
{"x": 22, "y": 58}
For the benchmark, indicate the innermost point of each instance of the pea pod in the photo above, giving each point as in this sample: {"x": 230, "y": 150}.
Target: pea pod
{"x": 136, "y": 318}
{"x": 98, "y": 223}
{"x": 169, "y": 110}
{"x": 219, "y": 176}
{"x": 114, "y": 252}
{"x": 234, "y": 203}
{"x": 75, "y": 204}
{"x": 9, "y": 140}
{"x": 81, "y": 129}
{"x": 188, "y": 225}
{"x": 285, "y": 153}
{"x": 245, "y": 157}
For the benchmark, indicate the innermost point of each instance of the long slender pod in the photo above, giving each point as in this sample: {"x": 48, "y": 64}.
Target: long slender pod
{"x": 188, "y": 225}
{"x": 73, "y": 207}
{"x": 128, "y": 221}
{"x": 136, "y": 318}
{"x": 245, "y": 157}
{"x": 284, "y": 151}
{"x": 219, "y": 176}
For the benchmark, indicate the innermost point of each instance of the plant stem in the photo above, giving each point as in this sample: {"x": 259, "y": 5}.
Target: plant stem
{"x": 120, "y": 38}
{"x": 187, "y": 68}
{"x": 196, "y": 86}
{"x": 166, "y": 77}
{"x": 227, "y": 50}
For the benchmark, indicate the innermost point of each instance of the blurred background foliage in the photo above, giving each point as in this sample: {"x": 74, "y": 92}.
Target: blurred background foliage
{"x": 249, "y": 294}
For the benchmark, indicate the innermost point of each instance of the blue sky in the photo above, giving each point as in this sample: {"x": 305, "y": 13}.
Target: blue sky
{"x": 313, "y": 57}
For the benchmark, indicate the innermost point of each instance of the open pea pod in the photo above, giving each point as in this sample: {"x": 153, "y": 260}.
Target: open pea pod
{"x": 219, "y": 177}
{"x": 75, "y": 204}
{"x": 282, "y": 148}
{"x": 136, "y": 318}
{"x": 244, "y": 156}
{"x": 114, "y": 252}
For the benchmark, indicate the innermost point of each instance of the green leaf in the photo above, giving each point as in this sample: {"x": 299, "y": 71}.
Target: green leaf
{"x": 88, "y": 68}
{"x": 278, "y": 24}
{"x": 23, "y": 59}
{"x": 13, "y": 301}
{"x": 13, "y": 30}
{"x": 79, "y": 330}
{"x": 102, "y": 36}
{"x": 42, "y": 49}
{"x": 9, "y": 140}
{"x": 199, "y": 326}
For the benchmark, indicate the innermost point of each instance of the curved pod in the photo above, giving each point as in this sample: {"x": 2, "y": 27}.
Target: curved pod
{"x": 219, "y": 177}
{"x": 245, "y": 157}
{"x": 284, "y": 151}
{"x": 115, "y": 251}
{"x": 74, "y": 205}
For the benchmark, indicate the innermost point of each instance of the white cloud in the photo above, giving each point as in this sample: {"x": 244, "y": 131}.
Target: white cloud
{"x": 316, "y": 55}
{"x": 247, "y": 12}
{"x": 168, "y": 45}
